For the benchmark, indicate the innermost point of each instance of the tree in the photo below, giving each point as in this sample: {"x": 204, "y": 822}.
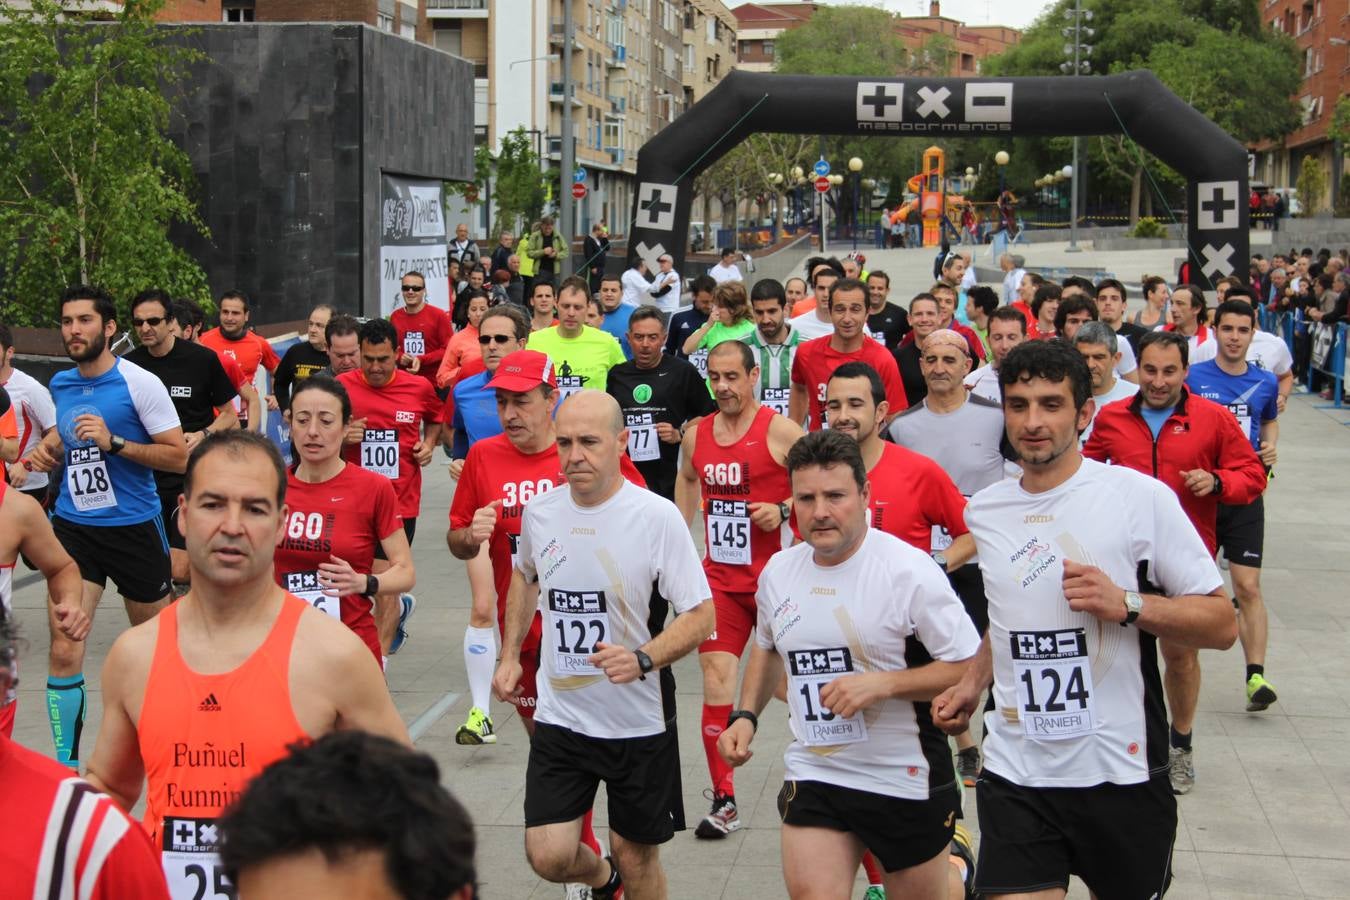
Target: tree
{"x": 1311, "y": 184}
{"x": 90, "y": 185}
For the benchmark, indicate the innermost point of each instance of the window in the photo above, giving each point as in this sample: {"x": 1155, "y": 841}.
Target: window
{"x": 690, "y": 61}
{"x": 237, "y": 13}
{"x": 407, "y": 30}
{"x": 967, "y": 62}
{"x": 384, "y": 22}
{"x": 712, "y": 29}
{"x": 768, "y": 49}
{"x": 449, "y": 39}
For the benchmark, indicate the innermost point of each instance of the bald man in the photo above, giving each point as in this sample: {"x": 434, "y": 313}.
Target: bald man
{"x": 606, "y": 694}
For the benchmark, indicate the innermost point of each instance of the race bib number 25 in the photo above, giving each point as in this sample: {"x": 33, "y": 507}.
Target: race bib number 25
{"x": 191, "y": 862}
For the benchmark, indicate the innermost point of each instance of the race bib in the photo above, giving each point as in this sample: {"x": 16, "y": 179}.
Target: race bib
{"x": 729, "y": 532}
{"x": 700, "y": 360}
{"x": 191, "y": 864}
{"x": 414, "y": 343}
{"x": 1243, "y": 412}
{"x": 578, "y": 621}
{"x": 88, "y": 481}
{"x": 1054, "y": 683}
{"x": 941, "y": 540}
{"x": 643, "y": 443}
{"x": 808, "y": 672}
{"x": 776, "y": 399}
{"x": 568, "y": 385}
{"x": 379, "y": 451}
{"x": 305, "y": 585}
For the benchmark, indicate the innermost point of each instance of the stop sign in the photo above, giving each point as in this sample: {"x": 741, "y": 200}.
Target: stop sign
{"x": 578, "y": 190}
{"x": 822, "y": 184}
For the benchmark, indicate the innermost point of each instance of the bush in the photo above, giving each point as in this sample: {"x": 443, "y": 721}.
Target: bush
{"x": 1148, "y": 227}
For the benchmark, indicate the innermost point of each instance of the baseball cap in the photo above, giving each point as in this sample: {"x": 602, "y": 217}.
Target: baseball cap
{"x": 523, "y": 370}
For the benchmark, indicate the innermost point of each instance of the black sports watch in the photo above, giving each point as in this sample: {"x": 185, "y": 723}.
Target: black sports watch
{"x": 116, "y": 445}
{"x": 785, "y": 511}
{"x": 644, "y": 663}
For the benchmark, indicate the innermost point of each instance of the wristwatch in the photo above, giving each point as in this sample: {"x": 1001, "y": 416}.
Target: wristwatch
{"x": 785, "y": 511}
{"x": 116, "y": 445}
{"x": 940, "y": 558}
{"x": 1218, "y": 484}
{"x": 1134, "y": 604}
{"x": 644, "y": 663}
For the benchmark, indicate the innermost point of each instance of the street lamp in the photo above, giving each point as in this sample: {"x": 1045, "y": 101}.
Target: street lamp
{"x": 855, "y": 166}
{"x": 776, "y": 179}
{"x": 1077, "y": 32}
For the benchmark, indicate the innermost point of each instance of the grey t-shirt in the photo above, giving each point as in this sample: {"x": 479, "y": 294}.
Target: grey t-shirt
{"x": 968, "y": 443}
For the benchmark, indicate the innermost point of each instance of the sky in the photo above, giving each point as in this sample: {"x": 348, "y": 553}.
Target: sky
{"x": 1014, "y": 13}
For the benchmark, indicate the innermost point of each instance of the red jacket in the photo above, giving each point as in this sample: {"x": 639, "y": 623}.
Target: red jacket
{"x": 1200, "y": 434}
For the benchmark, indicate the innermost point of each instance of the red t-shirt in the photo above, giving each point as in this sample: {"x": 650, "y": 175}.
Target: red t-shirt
{"x": 424, "y": 335}
{"x": 346, "y": 516}
{"x": 914, "y": 499}
{"x": 394, "y": 415}
{"x": 62, "y": 833}
{"x": 816, "y": 361}
{"x": 249, "y": 351}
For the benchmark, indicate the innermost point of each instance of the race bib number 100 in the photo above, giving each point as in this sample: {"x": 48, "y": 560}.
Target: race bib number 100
{"x": 88, "y": 481}
{"x": 1054, "y": 683}
{"x": 379, "y": 451}
{"x": 578, "y": 621}
{"x": 808, "y": 672}
{"x": 191, "y": 864}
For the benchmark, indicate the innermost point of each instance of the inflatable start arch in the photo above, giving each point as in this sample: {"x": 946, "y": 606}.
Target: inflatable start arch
{"x": 744, "y": 103}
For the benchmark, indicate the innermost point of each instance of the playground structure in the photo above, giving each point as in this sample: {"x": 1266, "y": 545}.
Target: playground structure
{"x": 937, "y": 207}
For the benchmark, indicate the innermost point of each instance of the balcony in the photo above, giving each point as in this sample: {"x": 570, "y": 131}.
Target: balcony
{"x": 616, "y": 154}
{"x": 457, "y": 9}
{"x": 555, "y": 93}
{"x": 618, "y": 57}
{"x": 618, "y": 107}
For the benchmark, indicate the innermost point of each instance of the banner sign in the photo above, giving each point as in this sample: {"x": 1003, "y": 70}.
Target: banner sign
{"x": 412, "y": 238}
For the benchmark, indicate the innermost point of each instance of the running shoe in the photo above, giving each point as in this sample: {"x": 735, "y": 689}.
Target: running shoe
{"x": 968, "y": 765}
{"x": 962, "y": 849}
{"x": 874, "y": 892}
{"x": 1181, "y": 770}
{"x": 407, "y": 604}
{"x": 722, "y": 820}
{"x": 577, "y": 891}
{"x": 1260, "y": 693}
{"x": 477, "y": 729}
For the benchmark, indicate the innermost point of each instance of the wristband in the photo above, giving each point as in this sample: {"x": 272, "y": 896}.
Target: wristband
{"x": 743, "y": 714}
{"x": 1218, "y": 484}
{"x": 372, "y": 585}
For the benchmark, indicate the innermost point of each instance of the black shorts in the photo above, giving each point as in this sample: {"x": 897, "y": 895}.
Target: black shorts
{"x": 969, "y": 586}
{"x": 409, "y": 528}
{"x": 168, "y": 513}
{"x": 1241, "y": 532}
{"x": 899, "y": 833}
{"x": 42, "y": 495}
{"x": 135, "y": 557}
{"x": 641, "y": 776}
{"x": 1117, "y": 838}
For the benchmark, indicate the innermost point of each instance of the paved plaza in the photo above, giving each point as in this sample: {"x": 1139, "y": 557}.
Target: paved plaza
{"x": 1270, "y": 813}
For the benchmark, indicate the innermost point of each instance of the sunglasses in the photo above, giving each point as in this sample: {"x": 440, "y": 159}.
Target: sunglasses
{"x": 486, "y": 339}
{"x": 412, "y": 288}
{"x": 153, "y": 321}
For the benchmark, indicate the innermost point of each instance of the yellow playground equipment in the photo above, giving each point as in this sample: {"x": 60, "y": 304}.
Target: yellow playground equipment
{"x": 933, "y": 202}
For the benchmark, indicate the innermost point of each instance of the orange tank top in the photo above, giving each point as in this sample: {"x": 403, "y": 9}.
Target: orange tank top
{"x": 204, "y": 737}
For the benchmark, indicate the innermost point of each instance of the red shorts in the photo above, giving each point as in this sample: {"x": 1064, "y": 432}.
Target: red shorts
{"x": 362, "y": 624}
{"x": 735, "y": 622}
{"x": 528, "y": 698}
{"x": 7, "y": 718}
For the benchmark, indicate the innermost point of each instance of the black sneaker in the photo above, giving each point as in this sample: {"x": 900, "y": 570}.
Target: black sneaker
{"x": 722, "y": 820}
{"x": 968, "y": 765}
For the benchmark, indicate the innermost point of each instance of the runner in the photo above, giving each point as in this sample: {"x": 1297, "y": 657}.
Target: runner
{"x": 502, "y": 331}
{"x": 186, "y": 324}
{"x": 115, "y": 426}
{"x": 35, "y": 418}
{"x": 684, "y": 323}
{"x": 817, "y": 322}
{"x": 198, "y": 387}
{"x": 1101, "y": 349}
{"x": 234, "y": 339}
{"x": 337, "y": 514}
{"x": 867, "y": 630}
{"x": 1196, "y": 448}
{"x": 61, "y": 838}
{"x": 582, "y": 355}
{"x": 1250, "y": 394}
{"x": 887, "y": 322}
{"x": 1111, "y": 302}
{"x": 600, "y": 717}
{"x": 1076, "y": 310}
{"x": 1267, "y": 351}
{"x": 775, "y": 343}
{"x": 543, "y": 308}
{"x": 1007, "y": 329}
{"x": 342, "y": 334}
{"x": 948, "y": 301}
{"x": 660, "y": 396}
{"x": 731, "y": 320}
{"x": 1075, "y": 746}
{"x": 305, "y": 358}
{"x": 923, "y": 321}
{"x": 816, "y": 359}
{"x": 463, "y": 355}
{"x": 1044, "y": 306}
{"x": 201, "y": 699}
{"x": 733, "y": 461}
{"x": 394, "y": 430}
{"x": 423, "y": 330}
{"x": 279, "y": 841}
{"x": 9, "y": 430}
{"x": 1188, "y": 317}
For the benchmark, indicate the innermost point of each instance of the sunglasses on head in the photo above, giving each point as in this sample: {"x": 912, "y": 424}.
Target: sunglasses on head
{"x": 486, "y": 339}
{"x": 153, "y": 321}
{"x": 413, "y": 288}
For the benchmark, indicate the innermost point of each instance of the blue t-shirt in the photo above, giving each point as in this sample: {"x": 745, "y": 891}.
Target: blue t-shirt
{"x": 96, "y": 488}
{"x": 616, "y": 323}
{"x": 1251, "y": 397}
{"x": 1155, "y": 417}
{"x": 475, "y": 413}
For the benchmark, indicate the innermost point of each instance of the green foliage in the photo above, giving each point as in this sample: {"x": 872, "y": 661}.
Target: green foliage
{"x": 1340, "y": 123}
{"x": 1343, "y": 201}
{"x": 519, "y": 186}
{"x": 843, "y": 40}
{"x": 1311, "y": 184}
{"x": 1148, "y": 227}
{"x": 90, "y": 185}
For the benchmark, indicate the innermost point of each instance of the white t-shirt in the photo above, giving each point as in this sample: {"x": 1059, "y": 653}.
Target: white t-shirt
{"x": 860, "y": 616}
{"x": 967, "y": 442}
{"x": 1127, "y": 363}
{"x": 635, "y": 286}
{"x": 1079, "y": 701}
{"x": 1011, "y": 282}
{"x": 983, "y": 382}
{"x": 1121, "y": 390}
{"x": 670, "y": 300}
{"x": 721, "y": 273}
{"x": 1267, "y": 352}
{"x": 809, "y": 326}
{"x": 34, "y": 413}
{"x": 593, "y": 587}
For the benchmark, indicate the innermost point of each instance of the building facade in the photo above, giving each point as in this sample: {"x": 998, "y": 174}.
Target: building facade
{"x": 709, "y": 46}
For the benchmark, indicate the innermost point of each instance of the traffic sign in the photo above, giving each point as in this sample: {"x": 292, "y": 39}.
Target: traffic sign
{"x": 822, "y": 184}
{"x": 578, "y": 190}
{"x": 579, "y": 176}
{"x": 821, "y": 168}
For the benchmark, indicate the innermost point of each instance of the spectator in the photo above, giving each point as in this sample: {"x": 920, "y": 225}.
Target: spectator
{"x": 548, "y": 250}
{"x": 463, "y": 250}
{"x": 596, "y": 250}
{"x": 502, "y": 252}
{"x": 726, "y": 269}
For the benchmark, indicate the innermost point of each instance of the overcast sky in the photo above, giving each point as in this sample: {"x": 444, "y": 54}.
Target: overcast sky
{"x": 1016, "y": 13}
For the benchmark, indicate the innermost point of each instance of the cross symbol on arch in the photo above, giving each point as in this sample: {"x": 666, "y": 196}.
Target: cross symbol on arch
{"x": 879, "y": 101}
{"x": 655, "y": 206}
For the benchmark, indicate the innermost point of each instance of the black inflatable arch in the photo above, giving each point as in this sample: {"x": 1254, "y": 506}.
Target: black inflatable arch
{"x": 1213, "y": 163}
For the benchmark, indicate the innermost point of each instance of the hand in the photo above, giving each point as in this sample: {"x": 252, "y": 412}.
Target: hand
{"x": 17, "y": 475}
{"x": 356, "y": 429}
{"x": 456, "y": 468}
{"x": 766, "y": 516}
{"x": 404, "y": 361}
{"x": 1088, "y": 589}
{"x": 619, "y": 664}
{"x": 72, "y": 621}
{"x": 667, "y": 433}
{"x": 90, "y": 427}
{"x": 734, "y": 743}
{"x": 272, "y": 403}
{"x": 848, "y": 694}
{"x": 416, "y": 365}
{"x": 1267, "y": 454}
{"x": 484, "y": 522}
{"x": 338, "y": 578}
{"x": 1280, "y": 401}
{"x": 506, "y": 680}
{"x": 953, "y": 708}
{"x": 423, "y": 451}
{"x": 43, "y": 458}
{"x": 1199, "y": 482}
{"x": 193, "y": 438}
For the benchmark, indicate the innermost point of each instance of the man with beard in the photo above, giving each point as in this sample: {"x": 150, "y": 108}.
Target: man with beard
{"x": 1007, "y": 329}
{"x": 775, "y": 342}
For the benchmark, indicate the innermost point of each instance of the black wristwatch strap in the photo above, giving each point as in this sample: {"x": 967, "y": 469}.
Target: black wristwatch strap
{"x": 1218, "y": 484}
{"x": 743, "y": 714}
{"x": 372, "y": 585}
{"x": 644, "y": 664}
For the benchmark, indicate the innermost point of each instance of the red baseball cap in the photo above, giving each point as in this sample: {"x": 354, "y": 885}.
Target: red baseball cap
{"x": 523, "y": 370}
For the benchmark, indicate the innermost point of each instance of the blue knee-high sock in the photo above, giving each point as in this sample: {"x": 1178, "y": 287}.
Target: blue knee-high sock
{"x": 65, "y": 711}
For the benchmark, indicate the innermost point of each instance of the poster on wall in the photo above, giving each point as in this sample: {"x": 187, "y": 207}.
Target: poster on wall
{"x": 412, "y": 238}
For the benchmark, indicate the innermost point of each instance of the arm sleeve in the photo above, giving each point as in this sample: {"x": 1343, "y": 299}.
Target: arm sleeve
{"x": 432, "y": 406}
{"x": 562, "y": 246}
{"x": 764, "y": 623}
{"x": 152, "y": 402}
{"x": 525, "y": 548}
{"x": 616, "y": 354}
{"x": 946, "y": 501}
{"x": 9, "y": 424}
{"x": 938, "y": 618}
{"x": 1096, "y": 446}
{"x": 1270, "y": 410}
{"x": 129, "y": 868}
{"x": 1180, "y": 562}
{"x": 799, "y": 371}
